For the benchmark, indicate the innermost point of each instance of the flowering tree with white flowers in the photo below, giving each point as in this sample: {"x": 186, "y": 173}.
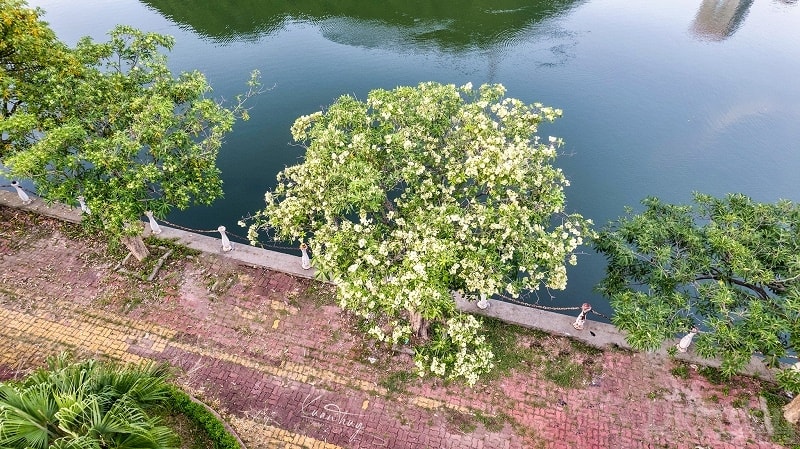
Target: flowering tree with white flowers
{"x": 422, "y": 191}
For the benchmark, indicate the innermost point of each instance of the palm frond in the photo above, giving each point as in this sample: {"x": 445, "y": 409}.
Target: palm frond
{"x": 28, "y": 416}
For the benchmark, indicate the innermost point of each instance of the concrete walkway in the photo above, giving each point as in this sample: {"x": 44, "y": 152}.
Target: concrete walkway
{"x": 290, "y": 370}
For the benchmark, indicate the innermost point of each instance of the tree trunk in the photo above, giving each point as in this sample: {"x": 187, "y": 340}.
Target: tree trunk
{"x": 791, "y": 411}
{"x": 418, "y": 324}
{"x": 136, "y": 246}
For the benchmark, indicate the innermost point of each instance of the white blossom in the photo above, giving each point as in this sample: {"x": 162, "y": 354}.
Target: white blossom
{"x": 456, "y": 186}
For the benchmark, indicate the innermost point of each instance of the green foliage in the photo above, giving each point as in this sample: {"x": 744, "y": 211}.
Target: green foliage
{"x": 114, "y": 125}
{"x": 29, "y": 51}
{"x": 455, "y": 350}
{"x": 730, "y": 266}
{"x": 219, "y": 435}
{"x": 713, "y": 375}
{"x": 681, "y": 370}
{"x": 783, "y": 432}
{"x": 790, "y": 378}
{"x": 422, "y": 191}
{"x": 86, "y": 404}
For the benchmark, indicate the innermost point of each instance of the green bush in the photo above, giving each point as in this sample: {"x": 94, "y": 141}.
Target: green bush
{"x": 85, "y": 404}
{"x": 206, "y": 420}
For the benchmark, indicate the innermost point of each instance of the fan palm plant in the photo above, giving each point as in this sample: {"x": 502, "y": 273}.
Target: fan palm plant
{"x": 85, "y": 405}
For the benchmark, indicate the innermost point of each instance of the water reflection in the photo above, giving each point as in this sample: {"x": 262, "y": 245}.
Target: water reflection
{"x": 454, "y": 25}
{"x": 716, "y": 20}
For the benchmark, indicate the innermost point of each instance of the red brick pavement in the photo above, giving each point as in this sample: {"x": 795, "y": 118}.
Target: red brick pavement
{"x": 275, "y": 354}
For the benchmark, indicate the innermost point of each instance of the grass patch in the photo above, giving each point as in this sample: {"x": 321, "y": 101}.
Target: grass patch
{"x": 320, "y": 294}
{"x": 468, "y": 423}
{"x": 508, "y": 353}
{"x": 190, "y": 434}
{"x": 519, "y": 348}
{"x": 785, "y": 433}
{"x": 213, "y": 428}
{"x": 178, "y": 250}
{"x": 713, "y": 375}
{"x": 742, "y": 400}
{"x": 397, "y": 381}
{"x": 681, "y": 371}
{"x": 564, "y": 372}
{"x": 585, "y": 348}
{"x": 75, "y": 231}
{"x": 491, "y": 423}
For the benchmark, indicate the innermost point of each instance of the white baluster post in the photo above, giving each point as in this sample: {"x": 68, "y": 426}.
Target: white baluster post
{"x": 21, "y": 193}
{"x": 683, "y": 345}
{"x": 579, "y": 322}
{"x": 154, "y": 227}
{"x": 226, "y": 244}
{"x": 84, "y": 207}
{"x": 483, "y": 303}
{"x": 305, "y": 262}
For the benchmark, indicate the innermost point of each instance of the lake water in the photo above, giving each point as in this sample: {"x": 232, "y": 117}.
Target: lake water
{"x": 660, "y": 97}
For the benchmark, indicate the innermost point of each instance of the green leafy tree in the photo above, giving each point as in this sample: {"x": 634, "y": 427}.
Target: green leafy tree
{"x": 422, "y": 191}
{"x": 85, "y": 405}
{"x": 729, "y": 266}
{"x": 121, "y": 131}
{"x": 28, "y": 48}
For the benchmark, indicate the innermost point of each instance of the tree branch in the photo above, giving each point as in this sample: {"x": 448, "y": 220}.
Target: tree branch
{"x": 758, "y": 290}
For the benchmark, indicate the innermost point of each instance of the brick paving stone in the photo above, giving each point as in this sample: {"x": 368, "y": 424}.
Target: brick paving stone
{"x": 287, "y": 370}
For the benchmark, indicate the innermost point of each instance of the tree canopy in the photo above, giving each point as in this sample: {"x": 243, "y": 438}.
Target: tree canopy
{"x": 421, "y": 191}
{"x": 117, "y": 128}
{"x": 28, "y": 50}
{"x": 729, "y": 266}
